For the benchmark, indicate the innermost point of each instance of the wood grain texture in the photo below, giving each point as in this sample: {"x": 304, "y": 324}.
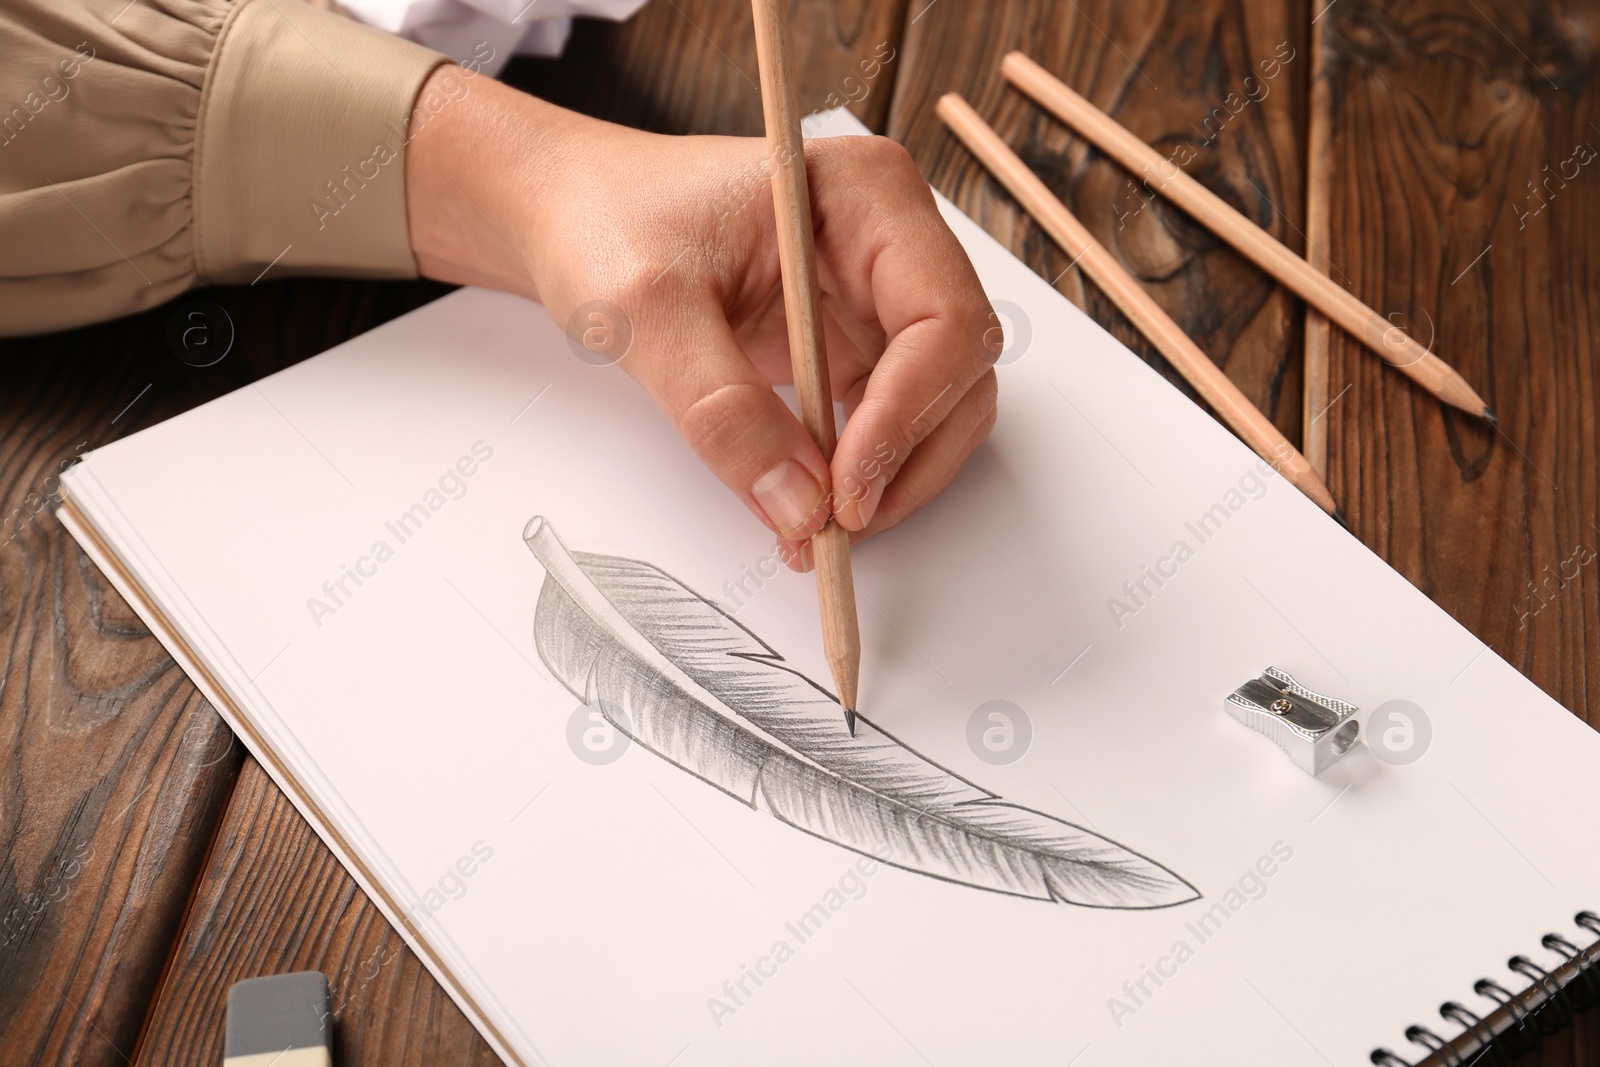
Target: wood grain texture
{"x": 116, "y": 769}
{"x": 272, "y": 900}
{"x": 1319, "y": 178}
{"x": 1165, "y": 71}
{"x": 1446, "y": 112}
{"x": 689, "y": 66}
{"x": 1154, "y": 324}
{"x": 1166, "y": 178}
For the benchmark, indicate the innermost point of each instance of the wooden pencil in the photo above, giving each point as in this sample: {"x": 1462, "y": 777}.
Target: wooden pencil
{"x": 1164, "y": 176}
{"x": 1198, "y": 370}
{"x": 802, "y": 302}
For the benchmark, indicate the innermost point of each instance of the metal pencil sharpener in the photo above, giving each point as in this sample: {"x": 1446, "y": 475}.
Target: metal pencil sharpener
{"x": 1314, "y": 730}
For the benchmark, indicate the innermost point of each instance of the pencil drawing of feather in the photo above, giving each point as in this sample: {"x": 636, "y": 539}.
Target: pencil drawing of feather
{"x": 675, "y": 674}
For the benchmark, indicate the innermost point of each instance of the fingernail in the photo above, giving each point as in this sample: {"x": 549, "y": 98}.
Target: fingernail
{"x": 789, "y": 495}
{"x": 869, "y": 503}
{"x": 796, "y": 555}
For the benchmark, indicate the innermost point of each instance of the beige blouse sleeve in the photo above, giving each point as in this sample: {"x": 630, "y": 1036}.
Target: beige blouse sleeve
{"x": 151, "y": 146}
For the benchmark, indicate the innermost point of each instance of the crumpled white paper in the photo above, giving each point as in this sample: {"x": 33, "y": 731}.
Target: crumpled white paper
{"x": 476, "y": 29}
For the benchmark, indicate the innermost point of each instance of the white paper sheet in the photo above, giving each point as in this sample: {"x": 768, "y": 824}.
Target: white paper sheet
{"x": 612, "y": 910}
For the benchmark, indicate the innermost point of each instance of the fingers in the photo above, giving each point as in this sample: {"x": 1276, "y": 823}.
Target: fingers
{"x": 892, "y": 261}
{"x": 739, "y": 428}
{"x": 923, "y": 377}
{"x": 796, "y": 555}
{"x": 911, "y": 345}
{"x": 926, "y": 473}
{"x": 937, "y": 459}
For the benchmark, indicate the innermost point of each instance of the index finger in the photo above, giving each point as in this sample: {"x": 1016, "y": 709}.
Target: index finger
{"x": 889, "y": 256}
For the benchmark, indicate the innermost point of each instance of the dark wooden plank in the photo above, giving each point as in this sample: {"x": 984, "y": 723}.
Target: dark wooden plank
{"x": 690, "y": 67}
{"x": 1166, "y": 72}
{"x": 1446, "y": 112}
{"x": 272, "y": 900}
{"x": 1319, "y": 176}
{"x": 272, "y": 897}
{"x": 115, "y": 769}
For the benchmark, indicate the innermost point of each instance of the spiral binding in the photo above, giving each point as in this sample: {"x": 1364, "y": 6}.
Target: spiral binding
{"x": 1517, "y": 1022}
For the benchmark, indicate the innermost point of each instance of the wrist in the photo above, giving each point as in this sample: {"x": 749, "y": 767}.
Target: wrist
{"x": 483, "y": 169}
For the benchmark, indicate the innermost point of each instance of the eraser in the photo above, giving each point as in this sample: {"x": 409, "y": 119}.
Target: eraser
{"x": 282, "y": 1020}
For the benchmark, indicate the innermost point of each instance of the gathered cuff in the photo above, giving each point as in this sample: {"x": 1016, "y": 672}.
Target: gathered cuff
{"x": 156, "y": 146}
{"x": 299, "y": 159}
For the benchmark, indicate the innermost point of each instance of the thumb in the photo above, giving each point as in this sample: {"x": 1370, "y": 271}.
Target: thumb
{"x": 742, "y": 431}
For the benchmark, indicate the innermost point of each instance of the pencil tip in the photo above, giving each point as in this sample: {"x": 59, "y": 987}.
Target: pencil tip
{"x": 850, "y": 721}
{"x": 1489, "y": 416}
{"x": 1338, "y": 517}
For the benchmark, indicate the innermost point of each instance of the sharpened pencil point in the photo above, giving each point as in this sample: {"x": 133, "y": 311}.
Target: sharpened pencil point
{"x": 1489, "y": 417}
{"x": 850, "y": 721}
{"x": 1338, "y": 517}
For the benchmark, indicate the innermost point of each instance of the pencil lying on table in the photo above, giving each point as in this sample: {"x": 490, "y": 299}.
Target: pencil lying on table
{"x": 1320, "y": 291}
{"x": 802, "y": 304}
{"x": 1198, "y": 370}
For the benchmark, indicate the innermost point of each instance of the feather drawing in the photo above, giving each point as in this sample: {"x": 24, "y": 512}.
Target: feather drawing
{"x": 677, "y": 675}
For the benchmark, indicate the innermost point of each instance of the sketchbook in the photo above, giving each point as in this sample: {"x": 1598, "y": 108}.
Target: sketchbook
{"x": 544, "y": 687}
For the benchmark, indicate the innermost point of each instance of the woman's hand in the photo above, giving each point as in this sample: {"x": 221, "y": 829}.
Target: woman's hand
{"x": 676, "y": 236}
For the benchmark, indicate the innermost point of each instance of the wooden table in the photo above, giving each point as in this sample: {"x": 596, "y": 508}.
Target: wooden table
{"x": 148, "y": 862}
